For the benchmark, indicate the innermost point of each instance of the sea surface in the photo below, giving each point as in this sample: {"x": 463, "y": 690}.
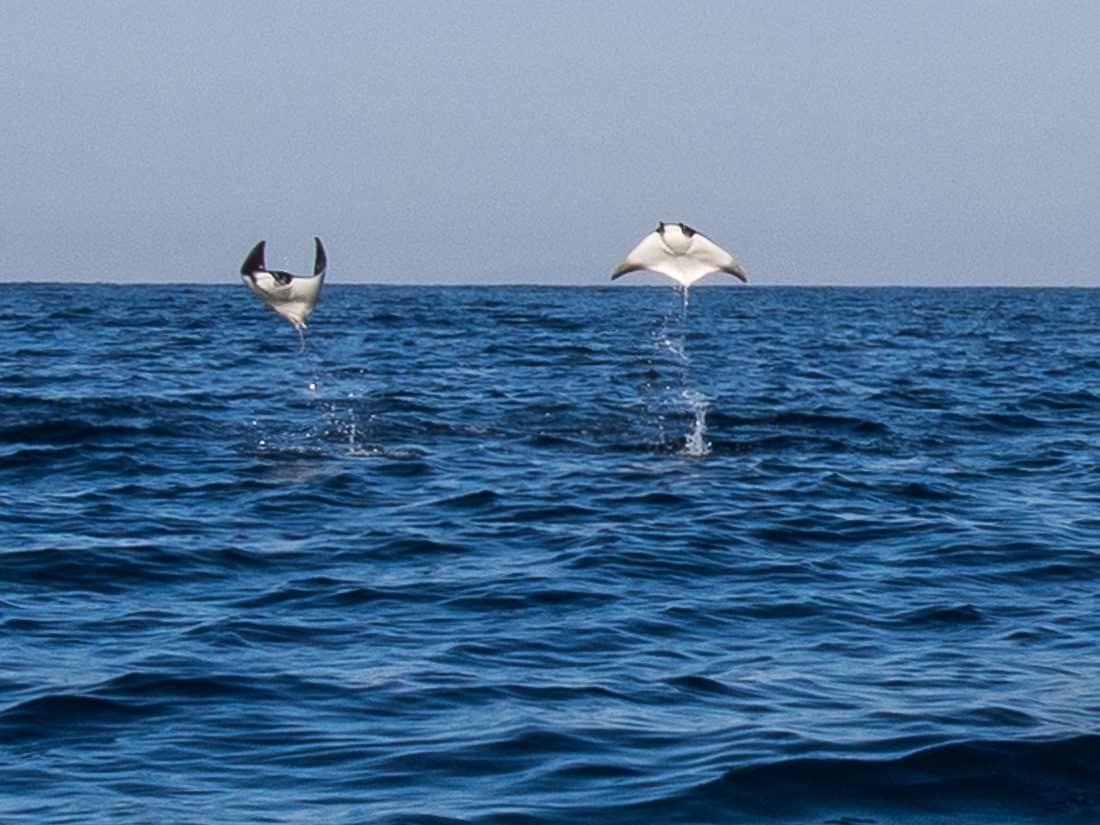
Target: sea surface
{"x": 550, "y": 555}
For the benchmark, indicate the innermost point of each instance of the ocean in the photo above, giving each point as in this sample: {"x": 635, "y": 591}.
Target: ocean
{"x": 550, "y": 555}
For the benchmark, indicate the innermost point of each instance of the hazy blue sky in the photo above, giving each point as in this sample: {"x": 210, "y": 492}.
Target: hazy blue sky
{"x": 840, "y": 142}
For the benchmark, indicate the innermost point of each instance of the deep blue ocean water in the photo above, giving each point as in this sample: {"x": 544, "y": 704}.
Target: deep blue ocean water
{"x": 541, "y": 555}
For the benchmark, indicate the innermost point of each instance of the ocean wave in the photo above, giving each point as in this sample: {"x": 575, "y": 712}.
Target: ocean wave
{"x": 550, "y": 556}
{"x": 1056, "y": 780}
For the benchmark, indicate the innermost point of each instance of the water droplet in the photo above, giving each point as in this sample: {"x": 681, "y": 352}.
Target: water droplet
{"x": 695, "y": 443}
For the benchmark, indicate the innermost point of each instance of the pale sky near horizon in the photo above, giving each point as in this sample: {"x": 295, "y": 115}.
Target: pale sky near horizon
{"x": 924, "y": 143}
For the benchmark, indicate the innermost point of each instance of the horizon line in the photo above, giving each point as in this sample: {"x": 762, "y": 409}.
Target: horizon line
{"x": 542, "y": 284}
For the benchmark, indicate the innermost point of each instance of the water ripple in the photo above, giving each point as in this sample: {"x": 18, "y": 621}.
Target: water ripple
{"x": 537, "y": 555}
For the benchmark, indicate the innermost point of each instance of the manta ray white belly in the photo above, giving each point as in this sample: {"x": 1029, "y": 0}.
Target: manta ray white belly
{"x": 679, "y": 252}
{"x": 291, "y": 296}
{"x": 293, "y": 301}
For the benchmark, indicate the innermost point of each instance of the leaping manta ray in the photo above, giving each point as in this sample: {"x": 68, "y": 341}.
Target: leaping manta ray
{"x": 292, "y": 296}
{"x": 677, "y": 251}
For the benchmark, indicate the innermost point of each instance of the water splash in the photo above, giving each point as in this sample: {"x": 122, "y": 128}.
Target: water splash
{"x": 339, "y": 421}
{"x": 695, "y": 442}
{"x": 308, "y": 359}
{"x": 352, "y": 432}
{"x": 675, "y": 346}
{"x": 671, "y": 337}
{"x": 342, "y": 424}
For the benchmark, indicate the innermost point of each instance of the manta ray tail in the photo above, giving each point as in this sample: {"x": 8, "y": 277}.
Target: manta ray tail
{"x": 255, "y": 260}
{"x": 319, "y": 259}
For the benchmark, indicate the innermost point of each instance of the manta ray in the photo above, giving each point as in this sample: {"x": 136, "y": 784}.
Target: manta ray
{"x": 681, "y": 253}
{"x": 292, "y": 296}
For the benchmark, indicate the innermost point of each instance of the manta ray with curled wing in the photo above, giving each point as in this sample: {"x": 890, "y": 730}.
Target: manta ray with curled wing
{"x": 291, "y": 296}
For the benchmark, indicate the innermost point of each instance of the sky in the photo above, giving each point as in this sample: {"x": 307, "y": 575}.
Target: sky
{"x": 917, "y": 143}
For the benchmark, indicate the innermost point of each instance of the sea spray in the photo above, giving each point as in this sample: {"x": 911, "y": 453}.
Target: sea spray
{"x": 695, "y": 442}
{"x": 338, "y": 418}
{"x": 311, "y": 366}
